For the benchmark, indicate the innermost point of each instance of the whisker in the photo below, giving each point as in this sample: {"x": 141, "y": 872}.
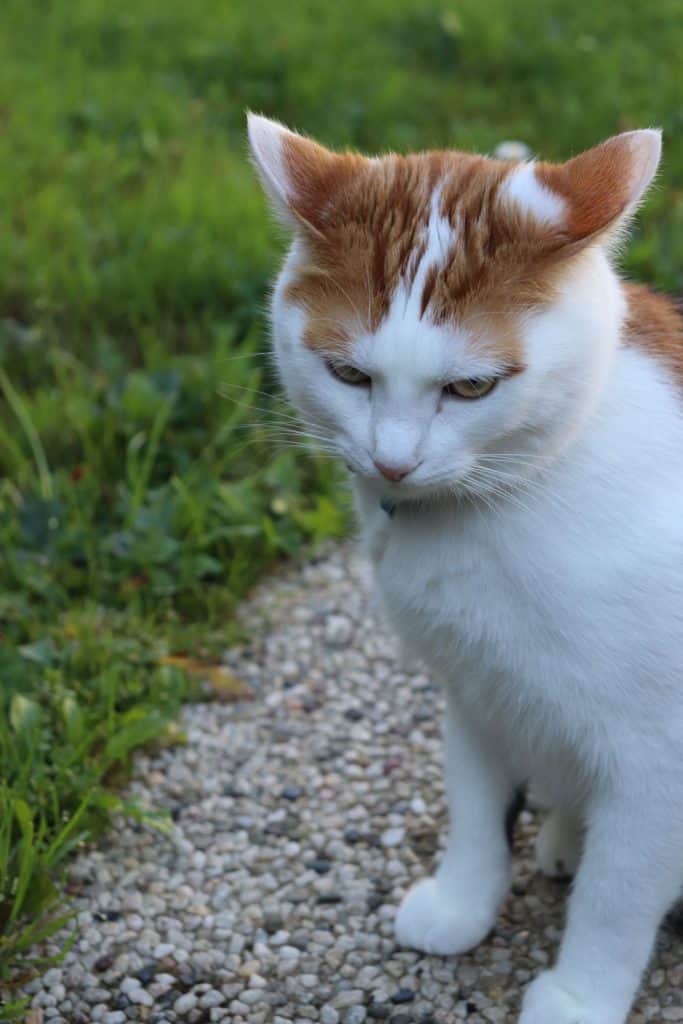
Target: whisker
{"x": 252, "y": 354}
{"x": 275, "y": 395}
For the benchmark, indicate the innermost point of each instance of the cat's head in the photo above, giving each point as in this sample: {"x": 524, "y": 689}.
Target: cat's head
{"x": 444, "y": 321}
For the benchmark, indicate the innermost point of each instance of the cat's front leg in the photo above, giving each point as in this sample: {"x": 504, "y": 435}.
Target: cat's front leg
{"x": 630, "y": 874}
{"x": 456, "y": 908}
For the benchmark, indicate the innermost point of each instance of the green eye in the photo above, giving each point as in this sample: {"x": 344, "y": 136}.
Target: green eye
{"x": 472, "y": 387}
{"x": 349, "y": 374}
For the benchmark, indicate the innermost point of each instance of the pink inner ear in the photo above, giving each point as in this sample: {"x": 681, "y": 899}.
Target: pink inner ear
{"x": 602, "y": 184}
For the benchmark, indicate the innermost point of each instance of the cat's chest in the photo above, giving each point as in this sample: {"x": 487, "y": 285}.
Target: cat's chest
{"x": 458, "y": 591}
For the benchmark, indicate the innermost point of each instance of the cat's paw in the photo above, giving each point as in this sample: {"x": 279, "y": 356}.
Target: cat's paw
{"x": 434, "y": 920}
{"x": 558, "y": 846}
{"x": 548, "y": 1002}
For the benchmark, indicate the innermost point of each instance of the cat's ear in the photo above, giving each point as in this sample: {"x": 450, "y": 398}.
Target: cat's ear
{"x": 604, "y": 185}
{"x": 299, "y": 176}
{"x": 594, "y": 192}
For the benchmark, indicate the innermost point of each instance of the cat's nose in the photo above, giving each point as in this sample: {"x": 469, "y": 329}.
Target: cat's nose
{"x": 393, "y": 473}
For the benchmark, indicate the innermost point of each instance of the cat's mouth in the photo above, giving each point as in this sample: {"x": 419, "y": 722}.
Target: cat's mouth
{"x": 426, "y": 488}
{"x": 420, "y": 484}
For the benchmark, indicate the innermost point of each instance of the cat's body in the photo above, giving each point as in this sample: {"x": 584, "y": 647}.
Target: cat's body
{"x": 529, "y": 545}
{"x": 518, "y": 608}
{"x": 516, "y": 603}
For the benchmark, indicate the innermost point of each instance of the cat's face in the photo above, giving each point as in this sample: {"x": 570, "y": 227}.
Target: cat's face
{"x": 444, "y": 322}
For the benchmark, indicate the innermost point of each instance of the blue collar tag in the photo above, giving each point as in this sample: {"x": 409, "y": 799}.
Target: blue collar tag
{"x": 388, "y": 506}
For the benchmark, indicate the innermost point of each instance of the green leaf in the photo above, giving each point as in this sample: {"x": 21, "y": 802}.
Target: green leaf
{"x": 141, "y": 729}
{"x": 24, "y": 713}
{"x": 42, "y": 652}
{"x": 73, "y": 717}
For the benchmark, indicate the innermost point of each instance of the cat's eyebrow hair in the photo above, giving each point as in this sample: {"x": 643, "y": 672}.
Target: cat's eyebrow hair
{"x": 337, "y": 358}
{"x": 504, "y": 372}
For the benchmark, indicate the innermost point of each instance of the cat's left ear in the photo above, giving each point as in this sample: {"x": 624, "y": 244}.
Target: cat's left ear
{"x": 595, "y": 192}
{"x": 300, "y": 177}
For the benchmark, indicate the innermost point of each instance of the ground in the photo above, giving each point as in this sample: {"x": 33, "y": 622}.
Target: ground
{"x": 300, "y": 819}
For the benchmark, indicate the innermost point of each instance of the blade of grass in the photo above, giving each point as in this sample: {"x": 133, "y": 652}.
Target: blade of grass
{"x": 19, "y": 409}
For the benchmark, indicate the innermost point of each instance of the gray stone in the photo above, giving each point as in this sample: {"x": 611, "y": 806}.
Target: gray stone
{"x": 185, "y": 1003}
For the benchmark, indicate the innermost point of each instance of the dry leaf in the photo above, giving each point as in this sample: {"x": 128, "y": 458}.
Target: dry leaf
{"x": 224, "y": 683}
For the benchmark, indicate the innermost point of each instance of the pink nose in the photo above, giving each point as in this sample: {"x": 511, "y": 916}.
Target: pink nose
{"x": 393, "y": 473}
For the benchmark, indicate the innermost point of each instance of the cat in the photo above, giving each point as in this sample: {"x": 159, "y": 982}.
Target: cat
{"x": 511, "y": 411}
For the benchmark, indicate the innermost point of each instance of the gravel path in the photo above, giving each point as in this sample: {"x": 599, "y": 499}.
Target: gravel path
{"x": 301, "y": 818}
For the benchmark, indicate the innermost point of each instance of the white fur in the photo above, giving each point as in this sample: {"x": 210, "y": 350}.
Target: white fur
{"x": 535, "y": 560}
{"x": 439, "y": 238}
{"x": 523, "y": 188}
{"x": 646, "y": 149}
{"x": 558, "y": 844}
{"x": 265, "y": 142}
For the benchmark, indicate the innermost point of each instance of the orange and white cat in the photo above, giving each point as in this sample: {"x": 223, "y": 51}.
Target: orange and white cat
{"x": 512, "y": 413}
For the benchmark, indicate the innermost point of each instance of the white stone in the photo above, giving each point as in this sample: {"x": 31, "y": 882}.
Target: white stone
{"x": 393, "y": 836}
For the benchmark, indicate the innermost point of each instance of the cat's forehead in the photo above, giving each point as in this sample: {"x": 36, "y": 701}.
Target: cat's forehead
{"x": 437, "y": 234}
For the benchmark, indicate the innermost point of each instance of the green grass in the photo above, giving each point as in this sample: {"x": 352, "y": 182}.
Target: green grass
{"x": 141, "y": 492}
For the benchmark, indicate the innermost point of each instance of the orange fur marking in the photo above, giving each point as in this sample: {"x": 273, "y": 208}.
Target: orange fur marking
{"x": 655, "y": 324}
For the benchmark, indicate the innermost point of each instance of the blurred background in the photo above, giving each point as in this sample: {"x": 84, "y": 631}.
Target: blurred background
{"x": 144, "y": 485}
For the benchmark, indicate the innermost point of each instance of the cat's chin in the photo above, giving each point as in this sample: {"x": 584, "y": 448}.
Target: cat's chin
{"x": 416, "y": 494}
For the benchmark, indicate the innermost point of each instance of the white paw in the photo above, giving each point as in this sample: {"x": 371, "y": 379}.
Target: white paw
{"x": 558, "y": 846}
{"x": 434, "y": 920}
{"x": 547, "y": 1002}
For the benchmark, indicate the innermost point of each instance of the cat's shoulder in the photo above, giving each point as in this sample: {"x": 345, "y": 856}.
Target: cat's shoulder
{"x": 654, "y": 324}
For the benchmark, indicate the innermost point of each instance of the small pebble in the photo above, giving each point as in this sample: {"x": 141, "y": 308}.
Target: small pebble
{"x": 393, "y": 837}
{"x": 140, "y": 997}
{"x": 147, "y": 973}
{"x": 320, "y": 866}
{"x": 292, "y": 792}
{"x": 329, "y": 897}
{"x": 185, "y": 1003}
{"x": 353, "y": 714}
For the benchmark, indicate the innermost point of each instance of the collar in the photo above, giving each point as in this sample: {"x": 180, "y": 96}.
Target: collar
{"x": 389, "y": 506}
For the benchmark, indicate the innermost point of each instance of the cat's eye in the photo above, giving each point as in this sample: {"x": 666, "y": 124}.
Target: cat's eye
{"x": 471, "y": 387}
{"x": 349, "y": 374}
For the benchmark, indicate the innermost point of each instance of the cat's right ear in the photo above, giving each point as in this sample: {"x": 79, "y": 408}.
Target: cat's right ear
{"x": 604, "y": 186}
{"x": 299, "y": 176}
{"x": 595, "y": 194}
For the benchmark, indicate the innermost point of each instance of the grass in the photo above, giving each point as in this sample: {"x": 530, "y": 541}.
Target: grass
{"x": 141, "y": 492}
